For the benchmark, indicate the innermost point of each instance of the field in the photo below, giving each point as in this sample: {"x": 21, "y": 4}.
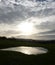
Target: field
{"x": 17, "y": 58}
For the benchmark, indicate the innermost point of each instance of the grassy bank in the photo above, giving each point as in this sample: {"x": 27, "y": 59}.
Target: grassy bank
{"x": 16, "y": 58}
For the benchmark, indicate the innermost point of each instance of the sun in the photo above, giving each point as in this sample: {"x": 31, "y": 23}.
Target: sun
{"x": 26, "y": 28}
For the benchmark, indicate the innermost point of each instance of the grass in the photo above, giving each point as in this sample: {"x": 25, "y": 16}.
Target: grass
{"x": 17, "y": 58}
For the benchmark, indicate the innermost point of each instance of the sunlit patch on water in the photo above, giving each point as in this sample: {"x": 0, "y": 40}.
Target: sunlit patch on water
{"x": 28, "y": 50}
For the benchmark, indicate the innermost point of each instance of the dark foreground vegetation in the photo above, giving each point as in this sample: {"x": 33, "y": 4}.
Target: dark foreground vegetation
{"x": 16, "y": 58}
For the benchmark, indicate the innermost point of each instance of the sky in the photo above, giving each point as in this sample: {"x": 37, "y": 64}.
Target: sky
{"x": 28, "y": 19}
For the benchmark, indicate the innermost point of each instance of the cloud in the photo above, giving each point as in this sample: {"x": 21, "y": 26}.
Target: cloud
{"x": 46, "y": 37}
{"x": 43, "y": 37}
{"x": 40, "y": 12}
{"x": 47, "y": 25}
{"x": 13, "y": 16}
{"x": 24, "y": 10}
{"x": 48, "y": 33}
{"x": 10, "y": 33}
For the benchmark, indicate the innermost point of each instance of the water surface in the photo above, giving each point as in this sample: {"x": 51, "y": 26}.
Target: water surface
{"x": 27, "y": 50}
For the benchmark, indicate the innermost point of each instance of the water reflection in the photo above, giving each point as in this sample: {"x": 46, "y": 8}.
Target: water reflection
{"x": 28, "y": 50}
